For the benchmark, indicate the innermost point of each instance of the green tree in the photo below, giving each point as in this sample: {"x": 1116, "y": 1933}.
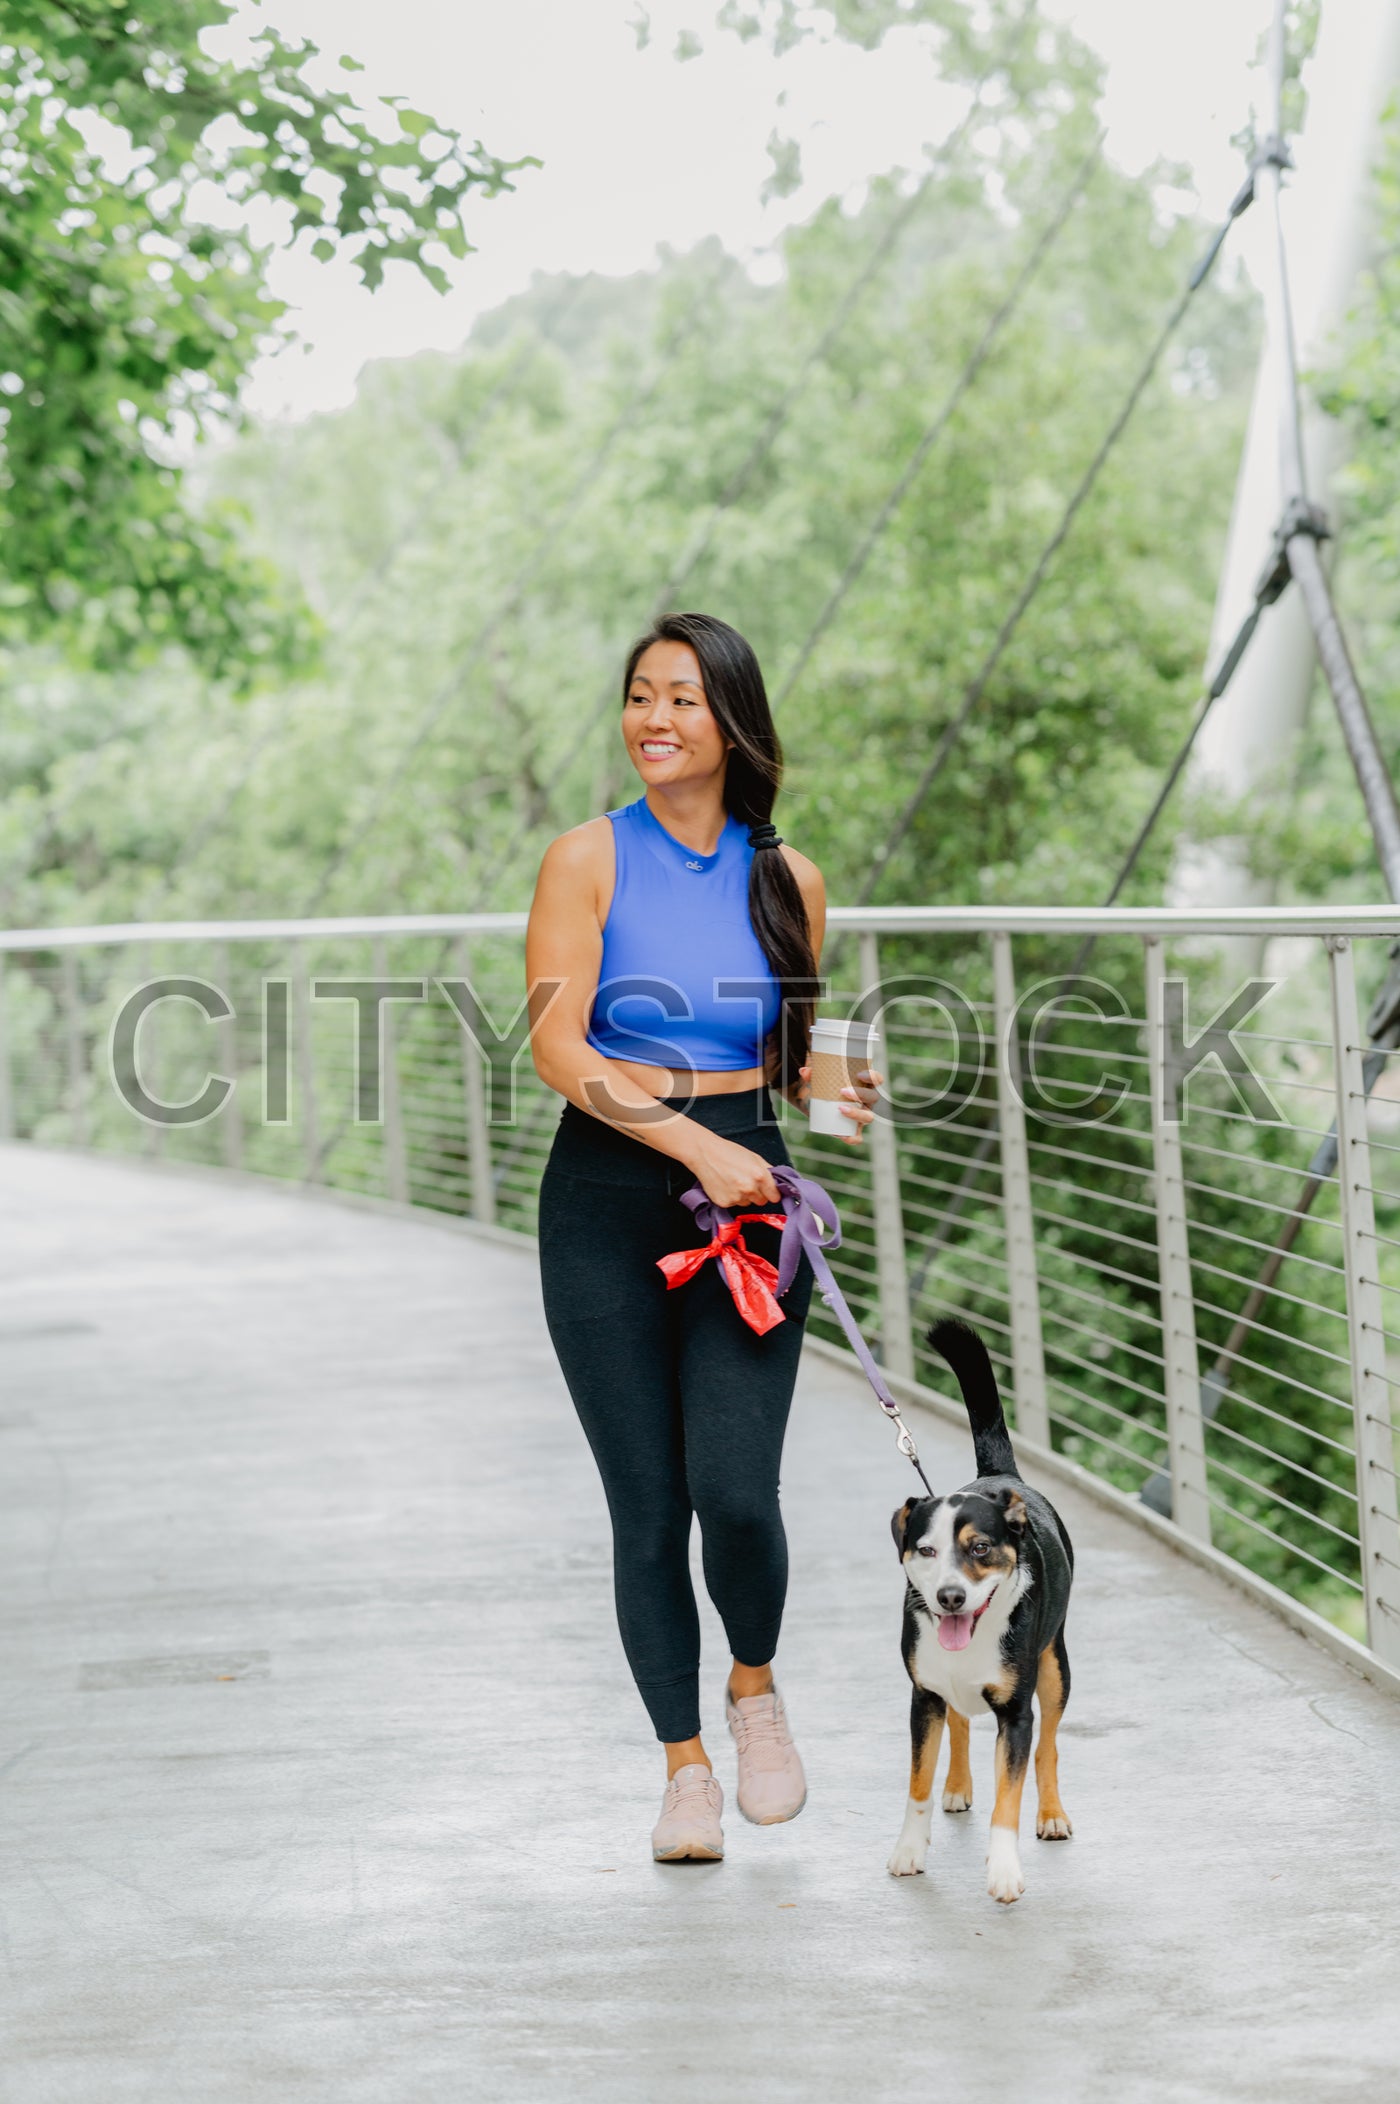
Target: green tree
{"x": 127, "y": 321}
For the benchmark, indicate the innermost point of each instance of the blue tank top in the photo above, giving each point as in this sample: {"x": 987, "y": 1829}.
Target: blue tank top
{"x": 683, "y": 981}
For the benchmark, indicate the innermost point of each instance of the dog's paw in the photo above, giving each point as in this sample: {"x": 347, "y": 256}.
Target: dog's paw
{"x": 958, "y": 1800}
{"x": 1004, "y": 1879}
{"x": 1054, "y": 1826}
{"x": 908, "y": 1859}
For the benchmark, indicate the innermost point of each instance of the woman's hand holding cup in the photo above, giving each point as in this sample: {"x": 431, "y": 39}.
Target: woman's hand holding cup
{"x": 856, "y": 1101}
{"x": 842, "y": 1078}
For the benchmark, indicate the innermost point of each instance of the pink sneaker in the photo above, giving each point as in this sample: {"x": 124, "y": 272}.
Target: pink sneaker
{"x": 688, "y": 1830}
{"x": 772, "y": 1786}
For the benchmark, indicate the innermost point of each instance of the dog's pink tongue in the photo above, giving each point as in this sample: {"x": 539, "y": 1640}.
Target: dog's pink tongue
{"x": 955, "y": 1632}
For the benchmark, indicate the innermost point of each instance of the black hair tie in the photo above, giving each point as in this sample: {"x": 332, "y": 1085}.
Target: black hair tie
{"x": 764, "y": 836}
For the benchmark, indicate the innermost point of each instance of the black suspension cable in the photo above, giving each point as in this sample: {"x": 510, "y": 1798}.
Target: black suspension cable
{"x": 782, "y": 409}
{"x": 977, "y": 686}
{"x": 1272, "y": 582}
{"x": 978, "y": 357}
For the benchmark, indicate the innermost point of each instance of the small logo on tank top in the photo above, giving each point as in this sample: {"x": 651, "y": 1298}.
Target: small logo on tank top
{"x": 694, "y": 865}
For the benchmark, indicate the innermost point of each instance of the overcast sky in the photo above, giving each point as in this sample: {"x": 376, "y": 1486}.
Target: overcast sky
{"x": 640, "y": 150}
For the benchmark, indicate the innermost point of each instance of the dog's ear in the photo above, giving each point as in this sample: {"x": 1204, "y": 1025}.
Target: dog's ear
{"x": 1013, "y": 1505}
{"x": 899, "y": 1524}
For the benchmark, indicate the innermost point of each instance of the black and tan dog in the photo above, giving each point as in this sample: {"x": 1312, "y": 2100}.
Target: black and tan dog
{"x": 988, "y": 1570}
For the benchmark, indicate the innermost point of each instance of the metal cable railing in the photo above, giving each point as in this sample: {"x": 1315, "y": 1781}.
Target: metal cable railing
{"x": 1106, "y": 1255}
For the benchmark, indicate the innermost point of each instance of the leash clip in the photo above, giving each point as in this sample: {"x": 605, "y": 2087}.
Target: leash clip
{"x": 904, "y": 1440}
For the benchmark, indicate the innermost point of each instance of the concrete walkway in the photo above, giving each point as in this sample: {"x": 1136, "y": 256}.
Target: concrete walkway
{"x": 323, "y": 1778}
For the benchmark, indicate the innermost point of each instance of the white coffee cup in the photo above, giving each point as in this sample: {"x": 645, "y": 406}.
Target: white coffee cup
{"x": 841, "y": 1052}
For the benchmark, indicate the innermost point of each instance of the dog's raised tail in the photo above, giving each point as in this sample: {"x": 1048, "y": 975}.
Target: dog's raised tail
{"x": 960, "y": 1345}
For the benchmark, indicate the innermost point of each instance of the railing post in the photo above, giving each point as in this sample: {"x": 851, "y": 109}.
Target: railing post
{"x": 474, "y": 1087}
{"x": 395, "y": 1158}
{"x": 1181, "y": 1371}
{"x": 73, "y": 1036}
{"x": 231, "y": 1116}
{"x": 892, "y": 1276}
{"x": 7, "y": 1097}
{"x": 1378, "y": 1525}
{"x": 1022, "y": 1277}
{"x": 306, "y": 1065}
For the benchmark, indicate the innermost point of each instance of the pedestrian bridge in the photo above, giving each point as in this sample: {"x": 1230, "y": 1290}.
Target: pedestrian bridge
{"x": 323, "y": 1772}
{"x": 324, "y": 1777}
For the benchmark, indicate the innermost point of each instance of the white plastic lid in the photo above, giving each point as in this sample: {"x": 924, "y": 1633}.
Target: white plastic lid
{"x": 834, "y": 1035}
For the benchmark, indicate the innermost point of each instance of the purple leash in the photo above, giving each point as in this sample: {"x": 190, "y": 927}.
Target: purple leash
{"x": 813, "y": 1226}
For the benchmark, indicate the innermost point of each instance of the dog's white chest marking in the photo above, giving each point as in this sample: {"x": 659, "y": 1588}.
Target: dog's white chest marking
{"x": 960, "y": 1676}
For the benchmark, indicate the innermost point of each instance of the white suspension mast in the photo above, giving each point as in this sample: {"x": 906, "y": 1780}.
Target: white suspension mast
{"x": 1291, "y": 454}
{"x": 1300, "y": 526}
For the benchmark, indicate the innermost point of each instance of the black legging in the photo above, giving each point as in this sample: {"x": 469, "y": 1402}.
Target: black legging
{"x": 682, "y": 1403}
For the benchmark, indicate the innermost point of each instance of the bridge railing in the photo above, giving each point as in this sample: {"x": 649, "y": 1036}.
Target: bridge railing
{"x": 1188, "y": 1285}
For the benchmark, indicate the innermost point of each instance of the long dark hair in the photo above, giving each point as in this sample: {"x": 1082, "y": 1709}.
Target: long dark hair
{"x": 739, "y": 703}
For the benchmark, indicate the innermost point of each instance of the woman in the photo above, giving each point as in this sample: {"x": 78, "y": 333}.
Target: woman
{"x": 659, "y": 938}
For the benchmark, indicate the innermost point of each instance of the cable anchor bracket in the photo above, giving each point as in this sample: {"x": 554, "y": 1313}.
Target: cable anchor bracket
{"x": 1270, "y": 152}
{"x": 1302, "y": 517}
{"x": 1297, "y": 517}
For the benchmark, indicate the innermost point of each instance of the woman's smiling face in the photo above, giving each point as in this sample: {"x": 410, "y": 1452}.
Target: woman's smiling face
{"x": 667, "y": 725}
